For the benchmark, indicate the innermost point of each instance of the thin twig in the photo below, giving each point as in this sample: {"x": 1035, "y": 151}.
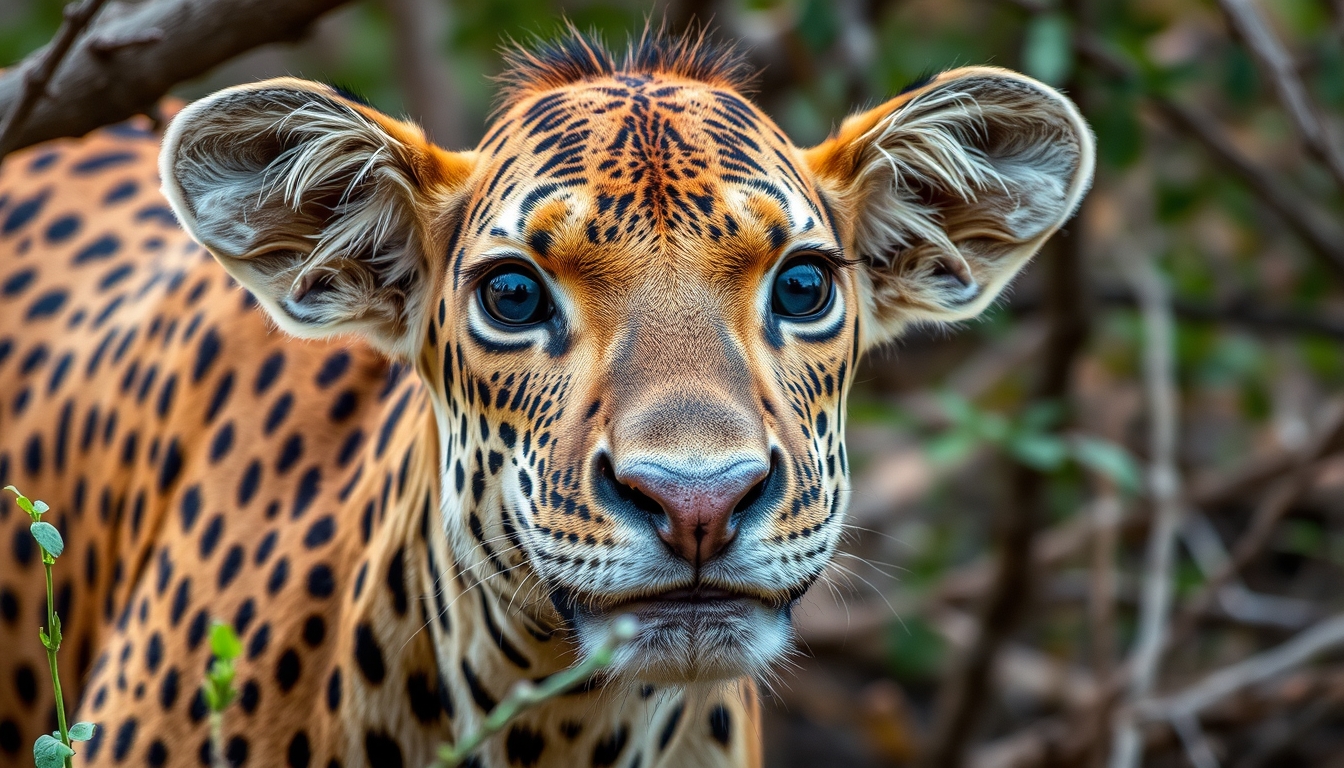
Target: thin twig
{"x": 526, "y": 694}
{"x": 1251, "y": 26}
{"x": 1267, "y": 515}
{"x": 1262, "y": 666}
{"x": 1165, "y": 490}
{"x": 37, "y": 76}
{"x": 1196, "y": 744}
{"x": 1107, "y": 513}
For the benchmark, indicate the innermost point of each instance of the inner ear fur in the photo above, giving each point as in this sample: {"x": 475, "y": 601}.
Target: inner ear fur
{"x": 948, "y": 190}
{"x": 323, "y": 208}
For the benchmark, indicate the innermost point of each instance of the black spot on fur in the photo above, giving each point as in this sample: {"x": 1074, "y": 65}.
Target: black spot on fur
{"x": 524, "y": 746}
{"x": 721, "y": 725}
{"x": 424, "y": 701}
{"x": 608, "y": 750}
{"x": 287, "y": 670}
{"x": 299, "y": 753}
{"x": 368, "y": 655}
{"x": 382, "y": 750}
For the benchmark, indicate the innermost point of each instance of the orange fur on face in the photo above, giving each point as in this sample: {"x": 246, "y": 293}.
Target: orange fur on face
{"x": 416, "y": 504}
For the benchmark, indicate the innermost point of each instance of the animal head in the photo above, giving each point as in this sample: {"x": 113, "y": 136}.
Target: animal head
{"x": 639, "y": 306}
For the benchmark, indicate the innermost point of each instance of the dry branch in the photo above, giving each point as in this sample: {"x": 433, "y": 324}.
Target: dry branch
{"x": 38, "y": 72}
{"x": 1268, "y": 513}
{"x": 1278, "y": 64}
{"x": 1262, "y": 666}
{"x": 117, "y": 70}
{"x": 1165, "y": 489}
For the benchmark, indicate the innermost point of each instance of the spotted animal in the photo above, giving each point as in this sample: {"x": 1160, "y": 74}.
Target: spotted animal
{"x": 421, "y": 424}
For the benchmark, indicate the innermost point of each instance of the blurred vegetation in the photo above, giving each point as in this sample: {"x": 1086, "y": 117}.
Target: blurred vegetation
{"x": 1260, "y": 323}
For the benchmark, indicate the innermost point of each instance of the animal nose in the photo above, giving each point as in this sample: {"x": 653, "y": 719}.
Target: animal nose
{"x": 697, "y": 502}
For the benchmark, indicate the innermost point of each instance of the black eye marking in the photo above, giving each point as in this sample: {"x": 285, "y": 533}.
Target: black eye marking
{"x": 514, "y": 296}
{"x": 802, "y": 288}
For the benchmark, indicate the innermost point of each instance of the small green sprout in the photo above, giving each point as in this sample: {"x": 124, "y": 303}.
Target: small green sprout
{"x": 218, "y": 687}
{"x": 51, "y": 750}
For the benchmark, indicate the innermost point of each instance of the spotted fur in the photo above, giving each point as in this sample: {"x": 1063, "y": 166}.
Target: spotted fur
{"x": 411, "y": 507}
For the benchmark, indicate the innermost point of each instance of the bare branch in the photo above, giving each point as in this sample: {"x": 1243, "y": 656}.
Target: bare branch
{"x": 37, "y": 74}
{"x": 1267, "y": 515}
{"x": 118, "y": 69}
{"x": 1252, "y": 27}
{"x": 1262, "y": 666}
{"x": 1165, "y": 489}
{"x": 1195, "y": 742}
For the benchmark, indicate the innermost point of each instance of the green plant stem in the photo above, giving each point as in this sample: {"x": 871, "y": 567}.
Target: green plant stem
{"x": 525, "y": 694}
{"x": 53, "y": 645}
{"x": 217, "y": 740}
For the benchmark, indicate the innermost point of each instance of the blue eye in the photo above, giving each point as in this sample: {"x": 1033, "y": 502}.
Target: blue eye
{"x": 802, "y": 288}
{"x": 513, "y": 295}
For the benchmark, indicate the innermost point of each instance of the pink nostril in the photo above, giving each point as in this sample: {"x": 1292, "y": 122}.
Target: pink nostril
{"x": 698, "y": 506}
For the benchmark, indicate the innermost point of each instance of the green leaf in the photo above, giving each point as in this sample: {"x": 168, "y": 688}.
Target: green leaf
{"x": 1041, "y": 416}
{"x": 992, "y": 427}
{"x": 958, "y": 409}
{"x": 49, "y": 752}
{"x": 1108, "y": 459}
{"x": 224, "y": 641}
{"x": 20, "y": 499}
{"x": 1047, "y": 51}
{"x": 1038, "y": 451}
{"x": 82, "y": 731}
{"x": 40, "y": 507}
{"x": 951, "y": 447}
{"x": 50, "y": 538}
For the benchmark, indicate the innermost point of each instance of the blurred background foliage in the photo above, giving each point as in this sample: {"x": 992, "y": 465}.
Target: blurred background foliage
{"x": 936, "y": 420}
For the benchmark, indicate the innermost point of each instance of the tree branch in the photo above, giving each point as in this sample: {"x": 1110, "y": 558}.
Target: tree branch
{"x": 116, "y": 70}
{"x": 1267, "y": 515}
{"x": 37, "y": 74}
{"x": 1251, "y": 26}
{"x": 1165, "y": 489}
{"x": 1262, "y": 666}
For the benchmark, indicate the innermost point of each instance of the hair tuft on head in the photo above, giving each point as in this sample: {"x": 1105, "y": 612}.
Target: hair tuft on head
{"x": 575, "y": 56}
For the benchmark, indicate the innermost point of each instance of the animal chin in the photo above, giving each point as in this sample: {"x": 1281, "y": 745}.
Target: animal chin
{"x": 691, "y": 635}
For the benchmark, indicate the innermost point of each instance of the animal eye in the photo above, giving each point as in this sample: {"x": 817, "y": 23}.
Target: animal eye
{"x": 513, "y": 295}
{"x": 802, "y": 288}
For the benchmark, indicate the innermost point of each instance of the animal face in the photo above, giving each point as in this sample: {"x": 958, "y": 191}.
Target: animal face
{"x": 638, "y": 304}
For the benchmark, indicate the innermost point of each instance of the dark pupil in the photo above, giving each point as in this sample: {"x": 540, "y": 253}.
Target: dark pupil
{"x": 800, "y": 290}
{"x": 513, "y": 297}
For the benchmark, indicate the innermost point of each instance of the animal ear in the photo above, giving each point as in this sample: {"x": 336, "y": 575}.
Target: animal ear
{"x": 326, "y": 210}
{"x": 946, "y": 191}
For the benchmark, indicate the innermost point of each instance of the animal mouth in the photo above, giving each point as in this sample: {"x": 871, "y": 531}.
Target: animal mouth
{"x": 693, "y": 604}
{"x": 696, "y": 594}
